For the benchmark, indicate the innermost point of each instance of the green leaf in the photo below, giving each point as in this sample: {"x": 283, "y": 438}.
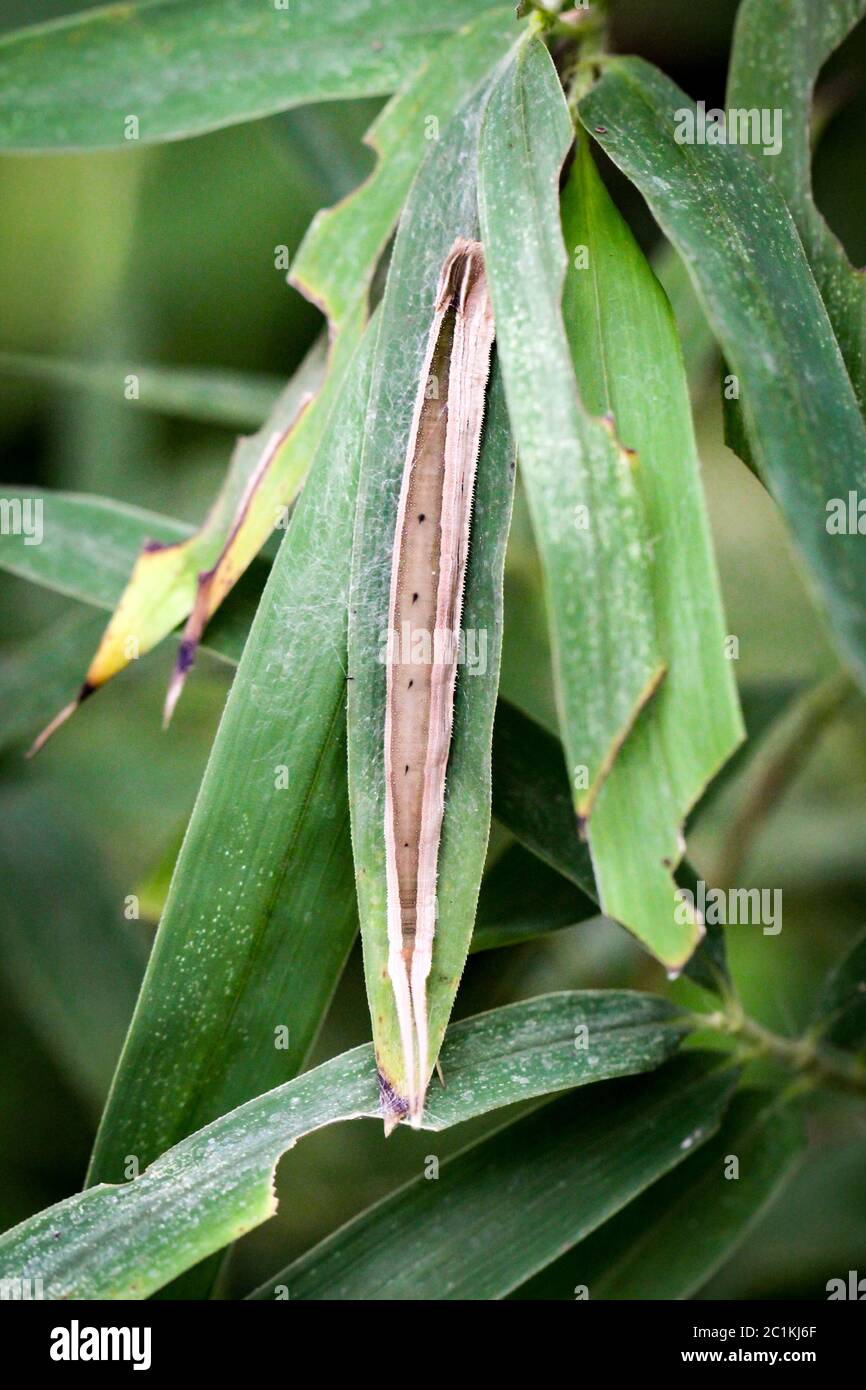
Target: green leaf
{"x": 531, "y": 798}
{"x": 741, "y": 247}
{"x": 441, "y": 207}
{"x": 586, "y": 510}
{"x": 673, "y": 1238}
{"x": 182, "y": 67}
{"x": 628, "y": 364}
{"x": 87, "y": 543}
{"x": 777, "y": 54}
{"x": 337, "y": 259}
{"x": 75, "y": 963}
{"x": 521, "y": 898}
{"x": 526, "y": 788}
{"x": 818, "y": 1230}
{"x": 127, "y": 1241}
{"x": 239, "y": 400}
{"x": 840, "y": 1016}
{"x": 559, "y": 1173}
{"x": 339, "y": 281}
{"x": 260, "y": 914}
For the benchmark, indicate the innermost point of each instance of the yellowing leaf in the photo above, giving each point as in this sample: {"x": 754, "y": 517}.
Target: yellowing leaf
{"x": 168, "y": 577}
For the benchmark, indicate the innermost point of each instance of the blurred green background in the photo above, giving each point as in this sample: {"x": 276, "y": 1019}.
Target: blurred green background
{"x": 166, "y": 256}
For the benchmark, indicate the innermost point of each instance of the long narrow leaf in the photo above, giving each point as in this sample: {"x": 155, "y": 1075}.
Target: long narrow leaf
{"x": 777, "y": 55}
{"x": 629, "y": 366}
{"x": 441, "y": 207}
{"x": 531, "y": 798}
{"x": 171, "y": 579}
{"x": 337, "y": 259}
{"x": 669, "y": 1242}
{"x": 80, "y": 83}
{"x": 586, "y": 510}
{"x": 127, "y": 1241}
{"x": 260, "y": 913}
{"x": 240, "y": 400}
{"x": 85, "y": 544}
{"x": 521, "y": 898}
{"x": 741, "y": 247}
{"x": 559, "y": 1173}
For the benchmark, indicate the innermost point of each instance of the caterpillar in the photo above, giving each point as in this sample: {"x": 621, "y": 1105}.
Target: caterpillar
{"x": 428, "y": 571}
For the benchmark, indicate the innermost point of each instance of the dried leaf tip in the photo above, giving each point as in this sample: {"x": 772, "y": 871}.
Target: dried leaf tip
{"x": 393, "y": 1107}
{"x": 59, "y": 719}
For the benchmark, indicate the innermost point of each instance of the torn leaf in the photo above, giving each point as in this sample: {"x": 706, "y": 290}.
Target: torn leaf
{"x": 587, "y": 510}
{"x": 628, "y": 363}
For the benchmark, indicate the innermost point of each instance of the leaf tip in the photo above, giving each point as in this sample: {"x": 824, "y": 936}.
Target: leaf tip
{"x": 182, "y": 667}
{"x": 392, "y": 1105}
{"x": 59, "y": 719}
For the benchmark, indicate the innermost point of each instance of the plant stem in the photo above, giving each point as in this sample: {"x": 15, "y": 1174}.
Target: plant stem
{"x": 813, "y": 1063}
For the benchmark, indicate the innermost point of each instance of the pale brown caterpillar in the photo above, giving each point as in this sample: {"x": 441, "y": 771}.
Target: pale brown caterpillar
{"x": 428, "y": 572}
